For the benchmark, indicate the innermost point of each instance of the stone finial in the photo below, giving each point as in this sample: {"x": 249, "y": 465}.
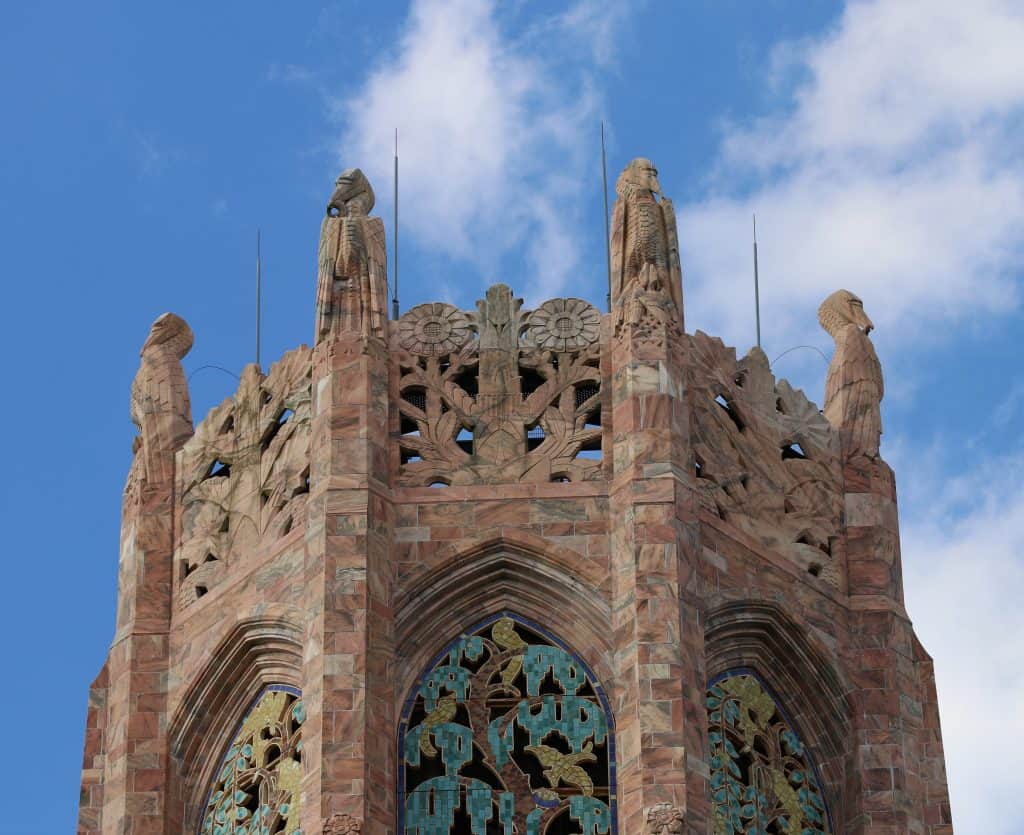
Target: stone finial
{"x": 342, "y": 824}
{"x": 646, "y": 281}
{"x": 854, "y": 387}
{"x": 160, "y": 407}
{"x": 351, "y": 294}
{"x": 664, "y": 819}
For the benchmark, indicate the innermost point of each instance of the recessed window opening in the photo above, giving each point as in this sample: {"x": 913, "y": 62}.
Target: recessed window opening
{"x": 218, "y": 469}
{"x": 730, "y": 411}
{"x": 416, "y": 396}
{"x": 529, "y": 381}
{"x": 464, "y": 440}
{"x": 303, "y": 485}
{"x": 467, "y": 381}
{"x": 591, "y": 450}
{"x": 584, "y": 391}
{"x": 560, "y": 478}
{"x": 440, "y": 483}
{"x": 534, "y": 437}
{"x": 793, "y": 451}
{"x": 409, "y": 456}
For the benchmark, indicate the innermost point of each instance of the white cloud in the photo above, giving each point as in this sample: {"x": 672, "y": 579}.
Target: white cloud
{"x": 893, "y": 169}
{"x": 964, "y": 568}
{"x": 492, "y": 137}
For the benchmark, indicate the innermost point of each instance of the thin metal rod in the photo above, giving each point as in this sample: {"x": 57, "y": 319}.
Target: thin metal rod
{"x": 394, "y": 298}
{"x": 757, "y": 290}
{"x": 607, "y": 231}
{"x": 259, "y": 294}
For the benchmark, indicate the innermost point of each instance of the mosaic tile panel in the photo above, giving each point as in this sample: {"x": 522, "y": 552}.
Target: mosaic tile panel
{"x": 507, "y": 732}
{"x": 256, "y": 790}
{"x": 762, "y": 777}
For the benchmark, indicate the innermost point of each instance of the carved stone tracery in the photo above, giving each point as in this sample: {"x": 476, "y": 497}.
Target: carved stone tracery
{"x": 520, "y": 402}
{"x": 245, "y": 472}
{"x": 767, "y": 460}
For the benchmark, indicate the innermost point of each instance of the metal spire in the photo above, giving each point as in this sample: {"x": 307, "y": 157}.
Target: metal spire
{"x": 394, "y": 297}
{"x": 607, "y": 232}
{"x": 757, "y": 297}
{"x": 259, "y": 293}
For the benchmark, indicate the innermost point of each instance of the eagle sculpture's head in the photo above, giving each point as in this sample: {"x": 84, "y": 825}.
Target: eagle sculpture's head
{"x": 351, "y": 189}
{"x": 843, "y": 308}
{"x": 639, "y": 175}
{"x": 172, "y": 333}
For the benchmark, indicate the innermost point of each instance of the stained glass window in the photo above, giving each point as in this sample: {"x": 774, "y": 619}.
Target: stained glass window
{"x": 508, "y": 731}
{"x": 256, "y": 790}
{"x": 762, "y": 777}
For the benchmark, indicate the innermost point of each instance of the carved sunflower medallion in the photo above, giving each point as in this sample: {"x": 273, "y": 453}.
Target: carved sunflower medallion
{"x": 434, "y": 329}
{"x": 564, "y": 325}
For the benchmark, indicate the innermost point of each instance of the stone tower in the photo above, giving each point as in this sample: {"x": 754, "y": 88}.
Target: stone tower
{"x": 512, "y": 571}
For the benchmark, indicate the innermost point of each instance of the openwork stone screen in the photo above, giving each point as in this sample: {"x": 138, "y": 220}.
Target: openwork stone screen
{"x": 762, "y": 779}
{"x": 508, "y": 731}
{"x": 256, "y": 790}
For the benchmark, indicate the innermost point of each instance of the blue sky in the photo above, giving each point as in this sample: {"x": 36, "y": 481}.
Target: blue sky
{"x": 879, "y": 144}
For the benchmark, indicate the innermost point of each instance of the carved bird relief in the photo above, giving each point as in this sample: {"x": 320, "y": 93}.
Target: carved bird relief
{"x": 506, "y": 637}
{"x": 854, "y": 387}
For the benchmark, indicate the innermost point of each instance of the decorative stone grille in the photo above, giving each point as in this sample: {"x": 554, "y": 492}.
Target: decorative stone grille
{"x": 508, "y": 731}
{"x": 256, "y": 789}
{"x": 762, "y": 777}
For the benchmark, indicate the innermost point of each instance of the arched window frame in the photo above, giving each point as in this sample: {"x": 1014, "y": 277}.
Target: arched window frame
{"x": 293, "y": 819}
{"x": 555, "y": 641}
{"x": 780, "y": 706}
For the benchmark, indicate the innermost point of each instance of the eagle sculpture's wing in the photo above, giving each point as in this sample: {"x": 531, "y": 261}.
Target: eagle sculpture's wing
{"x": 675, "y": 270}
{"x": 618, "y": 247}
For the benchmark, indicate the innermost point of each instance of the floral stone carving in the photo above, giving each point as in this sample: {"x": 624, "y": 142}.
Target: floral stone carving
{"x": 762, "y": 780}
{"x": 664, "y": 819}
{"x": 342, "y": 824}
{"x": 257, "y": 786}
{"x": 434, "y": 329}
{"x": 499, "y": 407}
{"x": 510, "y": 726}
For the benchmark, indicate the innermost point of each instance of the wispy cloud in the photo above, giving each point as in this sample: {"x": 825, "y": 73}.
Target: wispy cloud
{"x": 888, "y": 169}
{"x": 494, "y": 128}
{"x": 963, "y": 568}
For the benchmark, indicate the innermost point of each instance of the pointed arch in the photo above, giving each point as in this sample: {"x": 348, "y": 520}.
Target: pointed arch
{"x": 759, "y": 639}
{"x": 256, "y": 655}
{"x": 506, "y": 726}
{"x": 505, "y": 570}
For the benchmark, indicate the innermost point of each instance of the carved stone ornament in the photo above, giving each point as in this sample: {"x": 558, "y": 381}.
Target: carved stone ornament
{"x": 245, "y": 472}
{"x": 664, "y": 819}
{"x": 564, "y": 325}
{"x": 433, "y": 330}
{"x": 646, "y": 274}
{"x": 351, "y": 294}
{"x": 342, "y": 824}
{"x": 767, "y": 462}
{"x": 854, "y": 387}
{"x": 499, "y": 408}
{"x": 160, "y": 407}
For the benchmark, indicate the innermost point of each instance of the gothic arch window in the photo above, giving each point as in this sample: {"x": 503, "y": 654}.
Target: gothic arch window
{"x": 763, "y": 780}
{"x": 256, "y": 789}
{"x": 506, "y": 731}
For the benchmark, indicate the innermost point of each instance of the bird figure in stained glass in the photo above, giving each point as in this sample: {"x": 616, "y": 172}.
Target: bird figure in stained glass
{"x": 564, "y": 768}
{"x": 443, "y": 712}
{"x": 505, "y": 636}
